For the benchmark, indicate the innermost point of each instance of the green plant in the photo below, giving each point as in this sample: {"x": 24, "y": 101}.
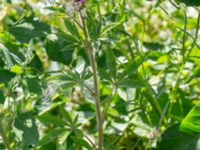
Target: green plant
{"x": 96, "y": 74}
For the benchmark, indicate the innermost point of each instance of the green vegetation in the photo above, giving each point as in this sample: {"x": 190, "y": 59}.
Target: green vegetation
{"x": 99, "y": 75}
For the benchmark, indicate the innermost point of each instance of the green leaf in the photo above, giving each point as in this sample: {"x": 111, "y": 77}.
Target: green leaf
{"x": 132, "y": 66}
{"x": 16, "y": 69}
{"x": 109, "y": 27}
{"x": 68, "y": 76}
{"x": 49, "y": 146}
{"x": 191, "y": 2}
{"x": 82, "y": 143}
{"x": 71, "y": 28}
{"x": 61, "y": 49}
{"x": 104, "y": 74}
{"x": 51, "y": 107}
{"x": 33, "y": 84}
{"x": 36, "y": 63}
{"x": 93, "y": 25}
{"x": 50, "y": 119}
{"x": 2, "y": 98}
{"x": 77, "y": 132}
{"x": 67, "y": 116}
{"x": 196, "y": 72}
{"x": 111, "y": 62}
{"x": 56, "y": 8}
{"x": 154, "y": 46}
{"x": 130, "y": 83}
{"x": 174, "y": 139}
{"x": 120, "y": 106}
{"x": 10, "y": 54}
{"x": 26, "y": 129}
{"x": 158, "y": 3}
{"x": 191, "y": 123}
{"x": 6, "y": 76}
{"x": 23, "y": 34}
{"x": 86, "y": 107}
{"x": 32, "y": 28}
{"x": 52, "y": 135}
{"x": 1, "y": 63}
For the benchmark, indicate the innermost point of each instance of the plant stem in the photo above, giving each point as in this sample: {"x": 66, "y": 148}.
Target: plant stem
{"x": 4, "y": 136}
{"x": 150, "y": 95}
{"x": 109, "y": 100}
{"x": 91, "y": 142}
{"x": 91, "y": 57}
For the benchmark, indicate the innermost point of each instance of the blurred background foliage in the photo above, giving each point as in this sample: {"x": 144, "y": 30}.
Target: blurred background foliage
{"x": 148, "y": 59}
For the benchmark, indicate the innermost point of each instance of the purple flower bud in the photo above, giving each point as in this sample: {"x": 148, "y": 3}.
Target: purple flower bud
{"x": 80, "y": 1}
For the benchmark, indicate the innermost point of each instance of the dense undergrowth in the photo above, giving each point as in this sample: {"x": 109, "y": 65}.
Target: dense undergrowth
{"x": 99, "y": 74}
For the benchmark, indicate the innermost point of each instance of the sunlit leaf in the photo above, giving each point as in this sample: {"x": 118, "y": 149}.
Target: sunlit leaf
{"x": 191, "y": 123}
{"x": 26, "y": 125}
{"x": 16, "y": 69}
{"x": 50, "y": 119}
{"x": 52, "y": 135}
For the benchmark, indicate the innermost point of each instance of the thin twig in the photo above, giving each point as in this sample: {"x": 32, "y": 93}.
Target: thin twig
{"x": 91, "y": 142}
{"x": 109, "y": 98}
{"x": 89, "y": 89}
{"x": 184, "y": 36}
{"x": 80, "y": 26}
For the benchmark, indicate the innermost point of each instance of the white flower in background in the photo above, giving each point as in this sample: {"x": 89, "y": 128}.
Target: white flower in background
{"x": 153, "y": 134}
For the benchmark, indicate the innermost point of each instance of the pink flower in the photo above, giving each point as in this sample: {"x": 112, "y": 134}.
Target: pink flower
{"x": 81, "y": 2}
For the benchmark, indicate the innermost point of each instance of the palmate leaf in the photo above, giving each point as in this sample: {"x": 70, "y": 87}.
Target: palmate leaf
{"x": 191, "y": 123}
{"x": 27, "y": 31}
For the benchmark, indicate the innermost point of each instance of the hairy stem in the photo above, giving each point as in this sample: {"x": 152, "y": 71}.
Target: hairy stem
{"x": 91, "y": 56}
